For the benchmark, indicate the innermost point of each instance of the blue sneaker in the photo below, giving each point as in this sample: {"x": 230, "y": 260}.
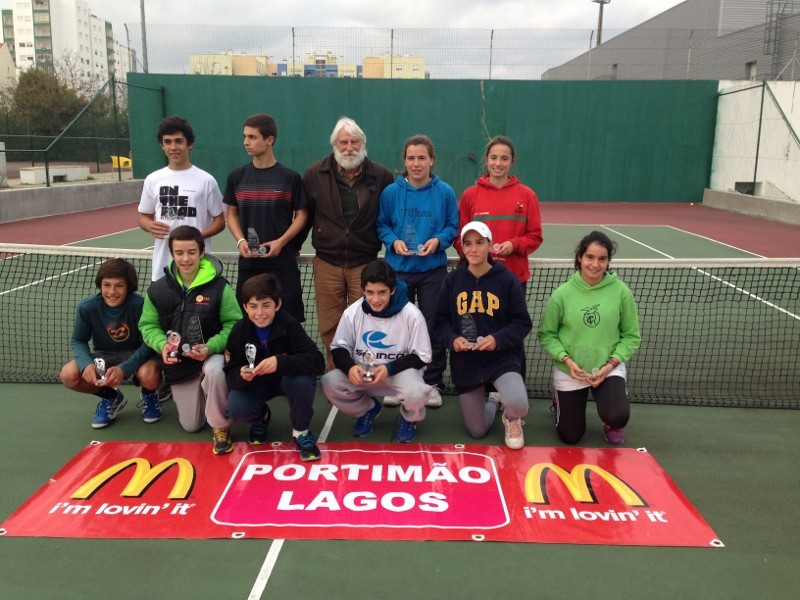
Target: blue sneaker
{"x": 107, "y": 410}
{"x": 363, "y": 426}
{"x": 258, "y": 429}
{"x": 151, "y": 407}
{"x": 404, "y": 431}
{"x": 307, "y": 447}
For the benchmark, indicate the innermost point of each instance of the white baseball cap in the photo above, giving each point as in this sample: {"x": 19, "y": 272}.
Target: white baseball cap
{"x": 481, "y": 228}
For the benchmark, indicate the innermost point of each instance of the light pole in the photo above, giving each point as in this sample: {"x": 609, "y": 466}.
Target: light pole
{"x": 144, "y": 37}
{"x": 602, "y": 3}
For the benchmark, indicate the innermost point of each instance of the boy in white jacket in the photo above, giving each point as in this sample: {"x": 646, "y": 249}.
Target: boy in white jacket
{"x": 380, "y": 348}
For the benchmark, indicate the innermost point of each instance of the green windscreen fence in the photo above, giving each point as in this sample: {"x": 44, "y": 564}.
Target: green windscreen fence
{"x": 610, "y": 141}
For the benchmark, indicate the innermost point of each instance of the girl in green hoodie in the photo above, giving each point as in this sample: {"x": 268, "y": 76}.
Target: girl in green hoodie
{"x": 590, "y": 327}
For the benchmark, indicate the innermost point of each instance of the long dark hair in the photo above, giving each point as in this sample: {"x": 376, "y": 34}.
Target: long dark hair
{"x": 595, "y": 237}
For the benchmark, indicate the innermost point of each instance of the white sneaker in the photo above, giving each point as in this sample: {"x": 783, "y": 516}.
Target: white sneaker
{"x": 434, "y": 398}
{"x": 515, "y": 439}
{"x": 392, "y": 400}
{"x": 494, "y": 397}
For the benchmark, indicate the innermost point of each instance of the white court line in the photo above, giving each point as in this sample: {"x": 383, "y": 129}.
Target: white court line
{"x": 271, "y": 559}
{"x": 32, "y": 283}
{"x": 266, "y": 570}
{"x": 635, "y": 241}
{"x": 100, "y": 237}
{"x": 713, "y": 240}
{"x": 733, "y": 286}
{"x": 750, "y": 294}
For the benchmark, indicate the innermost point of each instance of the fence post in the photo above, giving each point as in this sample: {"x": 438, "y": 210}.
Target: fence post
{"x": 113, "y": 84}
{"x": 758, "y": 139}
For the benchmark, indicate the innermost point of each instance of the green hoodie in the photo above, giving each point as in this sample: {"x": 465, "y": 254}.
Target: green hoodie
{"x": 590, "y": 323}
{"x": 152, "y": 325}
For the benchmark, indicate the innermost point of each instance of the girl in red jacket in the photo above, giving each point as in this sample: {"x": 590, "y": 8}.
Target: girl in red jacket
{"x": 509, "y": 208}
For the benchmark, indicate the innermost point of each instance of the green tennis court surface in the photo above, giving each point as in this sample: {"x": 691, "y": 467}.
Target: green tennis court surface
{"x": 734, "y": 465}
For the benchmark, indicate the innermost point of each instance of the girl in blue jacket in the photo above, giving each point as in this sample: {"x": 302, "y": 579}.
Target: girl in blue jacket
{"x": 418, "y": 222}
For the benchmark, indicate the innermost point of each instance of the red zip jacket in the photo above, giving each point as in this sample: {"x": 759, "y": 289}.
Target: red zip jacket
{"x": 511, "y": 212}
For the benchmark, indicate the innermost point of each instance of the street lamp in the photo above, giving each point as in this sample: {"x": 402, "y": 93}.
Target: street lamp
{"x": 602, "y": 3}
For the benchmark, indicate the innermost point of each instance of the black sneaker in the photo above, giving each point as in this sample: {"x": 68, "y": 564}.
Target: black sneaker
{"x": 258, "y": 429}
{"x": 307, "y": 447}
{"x": 222, "y": 440}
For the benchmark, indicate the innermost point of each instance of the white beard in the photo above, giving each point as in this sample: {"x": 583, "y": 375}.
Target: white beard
{"x": 350, "y": 160}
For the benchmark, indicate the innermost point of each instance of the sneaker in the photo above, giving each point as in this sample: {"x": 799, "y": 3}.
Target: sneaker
{"x": 613, "y": 436}
{"x": 515, "y": 439}
{"x": 307, "y": 447}
{"x": 222, "y": 440}
{"x": 494, "y": 397}
{"x": 107, "y": 410}
{"x": 151, "y": 407}
{"x": 164, "y": 392}
{"x": 434, "y": 398}
{"x": 392, "y": 400}
{"x": 404, "y": 431}
{"x": 258, "y": 429}
{"x": 363, "y": 426}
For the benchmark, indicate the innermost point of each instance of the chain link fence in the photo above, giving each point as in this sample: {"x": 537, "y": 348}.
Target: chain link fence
{"x": 94, "y": 144}
{"x": 437, "y": 53}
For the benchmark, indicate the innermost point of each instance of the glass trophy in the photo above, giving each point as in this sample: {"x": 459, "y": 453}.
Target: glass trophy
{"x": 194, "y": 335}
{"x": 256, "y": 249}
{"x": 469, "y": 330}
{"x": 173, "y": 343}
{"x": 100, "y": 365}
{"x": 369, "y": 361}
{"x": 495, "y": 248}
{"x": 412, "y": 240}
{"x": 250, "y": 355}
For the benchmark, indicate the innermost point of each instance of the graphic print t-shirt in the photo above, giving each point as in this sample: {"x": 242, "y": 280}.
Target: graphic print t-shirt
{"x": 187, "y": 197}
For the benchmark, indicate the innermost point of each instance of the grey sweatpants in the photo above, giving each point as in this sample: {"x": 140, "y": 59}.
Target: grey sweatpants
{"x": 203, "y": 397}
{"x": 354, "y": 400}
{"x": 479, "y": 414}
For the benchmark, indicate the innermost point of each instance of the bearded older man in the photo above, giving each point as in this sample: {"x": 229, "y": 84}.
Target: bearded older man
{"x": 344, "y": 191}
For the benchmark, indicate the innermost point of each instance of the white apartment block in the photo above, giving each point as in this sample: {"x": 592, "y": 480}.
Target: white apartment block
{"x": 39, "y": 33}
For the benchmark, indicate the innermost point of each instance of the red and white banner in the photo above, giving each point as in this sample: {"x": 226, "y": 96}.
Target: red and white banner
{"x": 362, "y": 491}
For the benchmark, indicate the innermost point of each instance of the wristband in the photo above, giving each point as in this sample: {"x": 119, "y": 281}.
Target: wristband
{"x": 613, "y": 362}
{"x": 565, "y": 358}
{"x": 240, "y": 241}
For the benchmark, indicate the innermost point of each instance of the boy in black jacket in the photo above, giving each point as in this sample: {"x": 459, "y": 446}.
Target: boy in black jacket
{"x": 269, "y": 354}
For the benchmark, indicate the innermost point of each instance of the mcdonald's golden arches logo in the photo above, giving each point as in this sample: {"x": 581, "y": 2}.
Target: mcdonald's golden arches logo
{"x": 142, "y": 478}
{"x": 578, "y": 482}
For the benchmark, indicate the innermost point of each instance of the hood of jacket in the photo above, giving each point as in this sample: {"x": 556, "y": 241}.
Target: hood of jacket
{"x": 210, "y": 269}
{"x": 396, "y": 304}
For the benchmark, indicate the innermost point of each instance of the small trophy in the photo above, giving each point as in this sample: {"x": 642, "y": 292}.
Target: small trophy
{"x": 100, "y": 365}
{"x": 173, "y": 343}
{"x": 369, "y": 360}
{"x": 194, "y": 335}
{"x": 411, "y": 240}
{"x": 256, "y": 249}
{"x": 250, "y": 355}
{"x": 469, "y": 330}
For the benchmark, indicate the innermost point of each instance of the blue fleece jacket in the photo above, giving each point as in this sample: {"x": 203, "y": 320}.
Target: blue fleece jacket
{"x": 415, "y": 215}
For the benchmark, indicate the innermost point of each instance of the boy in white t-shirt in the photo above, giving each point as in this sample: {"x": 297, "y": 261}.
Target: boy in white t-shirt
{"x": 380, "y": 348}
{"x": 178, "y": 194}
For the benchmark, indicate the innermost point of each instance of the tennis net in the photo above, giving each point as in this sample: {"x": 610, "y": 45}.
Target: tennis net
{"x": 714, "y": 332}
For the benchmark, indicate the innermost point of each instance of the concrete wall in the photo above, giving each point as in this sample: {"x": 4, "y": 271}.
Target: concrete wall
{"x": 749, "y": 127}
{"x": 766, "y": 208}
{"x": 17, "y": 205}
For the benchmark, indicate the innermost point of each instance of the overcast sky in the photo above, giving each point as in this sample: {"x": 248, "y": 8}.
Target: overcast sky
{"x": 488, "y": 14}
